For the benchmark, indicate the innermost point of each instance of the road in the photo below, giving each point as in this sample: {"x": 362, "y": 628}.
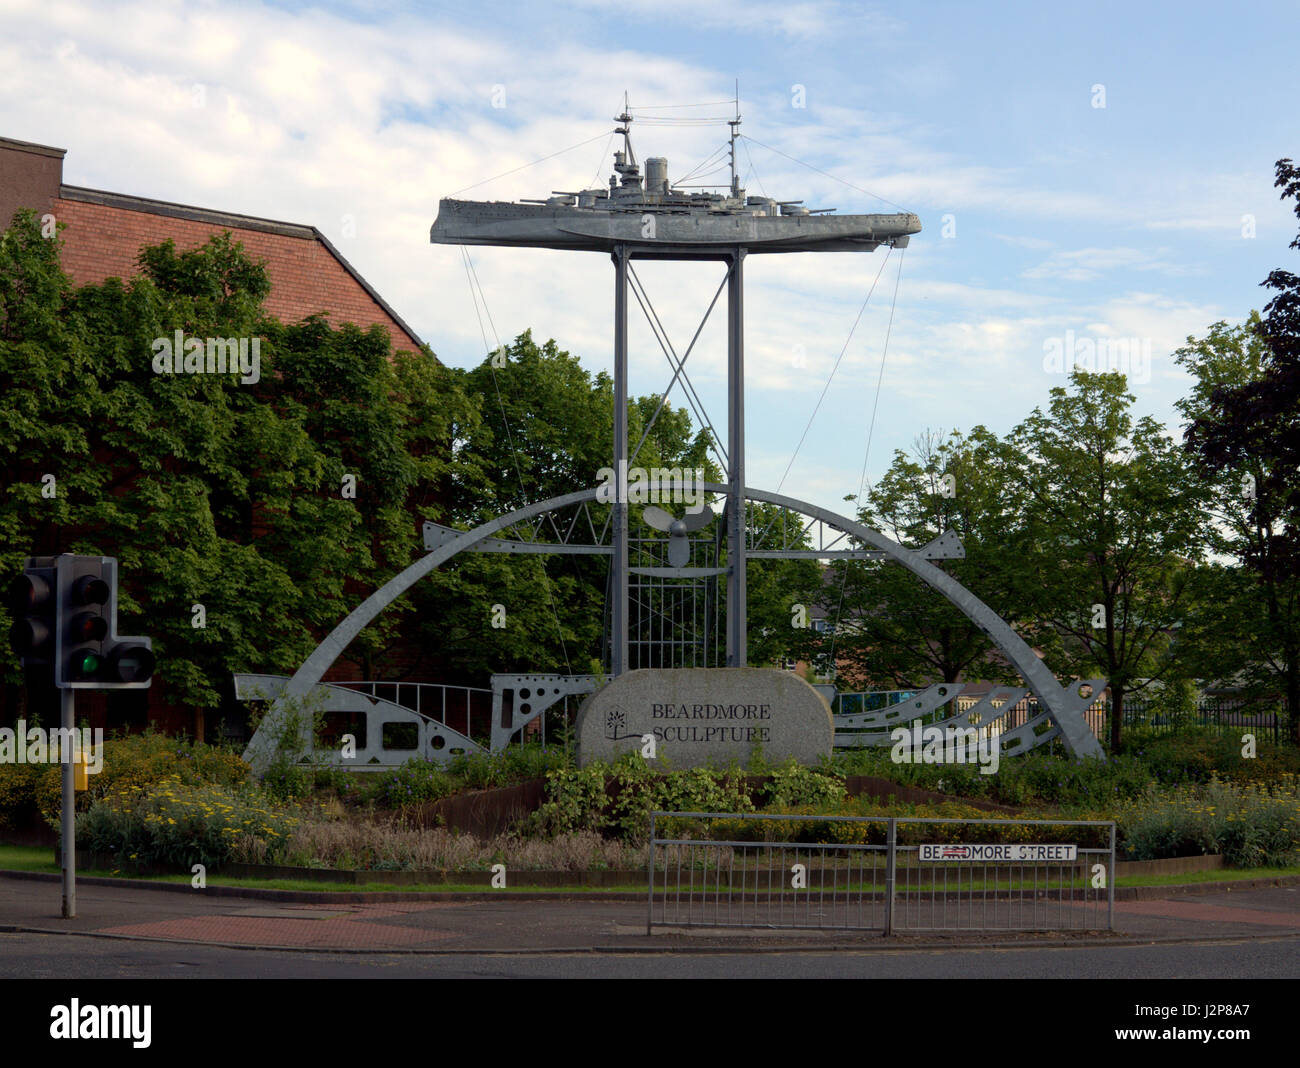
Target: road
{"x": 33, "y": 956}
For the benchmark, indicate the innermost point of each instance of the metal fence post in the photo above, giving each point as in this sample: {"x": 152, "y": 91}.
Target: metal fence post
{"x": 1110, "y": 883}
{"x": 891, "y": 858}
{"x": 650, "y": 892}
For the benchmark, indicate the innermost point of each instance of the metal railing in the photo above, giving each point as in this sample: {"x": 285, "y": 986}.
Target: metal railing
{"x": 1228, "y": 716}
{"x": 872, "y": 880}
{"x": 431, "y": 700}
{"x": 1225, "y": 716}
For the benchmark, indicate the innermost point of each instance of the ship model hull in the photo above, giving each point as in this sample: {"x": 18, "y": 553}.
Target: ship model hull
{"x": 467, "y": 222}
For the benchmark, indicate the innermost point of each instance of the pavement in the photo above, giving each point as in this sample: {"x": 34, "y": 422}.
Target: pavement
{"x": 504, "y": 922}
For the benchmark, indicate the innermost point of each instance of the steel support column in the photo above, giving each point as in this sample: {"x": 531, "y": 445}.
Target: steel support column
{"x": 737, "y": 611}
{"x": 618, "y": 639}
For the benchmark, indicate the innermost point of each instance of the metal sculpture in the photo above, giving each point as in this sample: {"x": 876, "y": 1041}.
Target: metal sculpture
{"x": 656, "y": 219}
{"x": 1061, "y": 704}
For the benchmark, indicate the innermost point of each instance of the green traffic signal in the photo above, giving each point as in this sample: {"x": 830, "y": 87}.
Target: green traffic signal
{"x": 63, "y": 609}
{"x": 91, "y": 654}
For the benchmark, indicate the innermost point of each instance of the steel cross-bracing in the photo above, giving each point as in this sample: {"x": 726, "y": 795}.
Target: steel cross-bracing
{"x": 733, "y": 257}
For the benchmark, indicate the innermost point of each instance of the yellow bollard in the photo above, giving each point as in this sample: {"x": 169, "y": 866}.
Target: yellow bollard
{"x": 80, "y": 774}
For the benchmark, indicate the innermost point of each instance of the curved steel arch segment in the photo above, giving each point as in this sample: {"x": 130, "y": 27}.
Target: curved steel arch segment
{"x": 261, "y": 747}
{"x": 1063, "y": 706}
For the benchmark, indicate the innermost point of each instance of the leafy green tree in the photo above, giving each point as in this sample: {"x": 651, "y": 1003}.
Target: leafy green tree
{"x": 545, "y": 429}
{"x": 1246, "y": 423}
{"x": 1246, "y": 629}
{"x": 776, "y": 587}
{"x": 891, "y": 629}
{"x": 1107, "y": 520}
{"x": 211, "y": 491}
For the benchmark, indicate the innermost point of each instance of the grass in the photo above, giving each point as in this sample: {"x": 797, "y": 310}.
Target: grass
{"x": 1222, "y": 875}
{"x": 27, "y": 858}
{"x": 39, "y": 859}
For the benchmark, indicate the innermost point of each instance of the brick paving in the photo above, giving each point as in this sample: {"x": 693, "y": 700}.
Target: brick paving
{"x": 329, "y": 928}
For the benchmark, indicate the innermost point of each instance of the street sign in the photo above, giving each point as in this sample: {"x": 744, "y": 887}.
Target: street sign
{"x": 1007, "y": 852}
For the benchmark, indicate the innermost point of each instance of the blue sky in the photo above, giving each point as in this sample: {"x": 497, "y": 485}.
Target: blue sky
{"x": 1045, "y": 216}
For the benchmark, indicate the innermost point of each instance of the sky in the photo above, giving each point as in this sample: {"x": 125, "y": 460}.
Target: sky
{"x": 1093, "y": 175}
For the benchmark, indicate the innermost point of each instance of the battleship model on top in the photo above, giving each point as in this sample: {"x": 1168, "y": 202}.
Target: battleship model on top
{"x": 648, "y": 211}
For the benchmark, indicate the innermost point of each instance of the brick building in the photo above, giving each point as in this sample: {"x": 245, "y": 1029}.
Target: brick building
{"x": 103, "y": 237}
{"x": 107, "y": 230}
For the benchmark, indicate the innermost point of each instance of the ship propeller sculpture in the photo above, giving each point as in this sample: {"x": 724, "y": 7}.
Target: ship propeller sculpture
{"x": 678, "y": 530}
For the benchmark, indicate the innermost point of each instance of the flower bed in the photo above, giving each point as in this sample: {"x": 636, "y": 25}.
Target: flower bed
{"x": 175, "y": 825}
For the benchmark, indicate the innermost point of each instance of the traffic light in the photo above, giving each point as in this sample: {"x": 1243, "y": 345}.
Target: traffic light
{"x": 89, "y": 654}
{"x": 33, "y": 602}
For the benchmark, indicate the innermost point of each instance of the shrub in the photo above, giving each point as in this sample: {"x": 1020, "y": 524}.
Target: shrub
{"x": 285, "y": 781}
{"x": 18, "y": 786}
{"x": 873, "y": 826}
{"x": 1196, "y": 754}
{"x": 1041, "y": 777}
{"x": 141, "y": 761}
{"x": 618, "y": 798}
{"x": 343, "y": 784}
{"x": 794, "y": 784}
{"x": 575, "y": 798}
{"x": 414, "y": 783}
{"x": 507, "y": 767}
{"x": 1175, "y": 703}
{"x": 175, "y": 825}
{"x": 1254, "y": 824}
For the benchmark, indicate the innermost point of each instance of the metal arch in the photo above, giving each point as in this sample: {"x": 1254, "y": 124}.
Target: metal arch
{"x": 1064, "y": 709}
{"x": 261, "y": 747}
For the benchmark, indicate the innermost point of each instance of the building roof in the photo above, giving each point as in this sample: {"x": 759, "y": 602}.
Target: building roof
{"x": 106, "y": 231}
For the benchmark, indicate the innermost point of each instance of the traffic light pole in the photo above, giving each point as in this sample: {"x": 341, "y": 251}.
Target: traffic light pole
{"x": 68, "y": 699}
{"x": 65, "y": 616}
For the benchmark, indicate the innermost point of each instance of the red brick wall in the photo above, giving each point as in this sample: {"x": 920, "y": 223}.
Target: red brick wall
{"x": 103, "y": 242}
{"x": 29, "y": 178}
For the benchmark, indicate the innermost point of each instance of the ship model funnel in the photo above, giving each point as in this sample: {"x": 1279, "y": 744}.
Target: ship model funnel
{"x": 656, "y": 176}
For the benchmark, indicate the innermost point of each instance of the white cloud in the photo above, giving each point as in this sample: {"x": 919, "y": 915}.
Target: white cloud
{"x": 1089, "y": 264}
{"x": 811, "y": 19}
{"x": 310, "y": 115}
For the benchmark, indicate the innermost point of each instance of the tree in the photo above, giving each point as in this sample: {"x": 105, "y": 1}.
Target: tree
{"x": 1107, "y": 523}
{"x": 890, "y": 628}
{"x": 1248, "y": 423}
{"x": 775, "y": 587}
{"x": 545, "y": 429}
{"x": 212, "y": 491}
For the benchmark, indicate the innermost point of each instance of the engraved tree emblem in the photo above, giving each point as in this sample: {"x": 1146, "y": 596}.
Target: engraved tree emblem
{"x": 616, "y": 724}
